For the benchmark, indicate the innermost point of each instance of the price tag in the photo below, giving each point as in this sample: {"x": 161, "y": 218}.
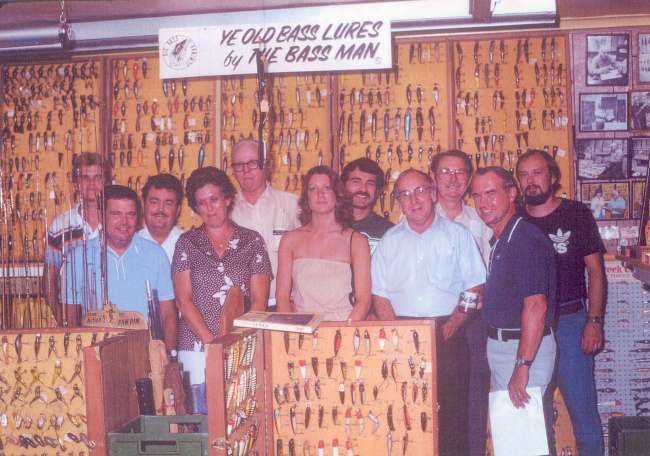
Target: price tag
{"x": 561, "y": 153}
{"x": 52, "y": 194}
{"x": 524, "y": 120}
{"x": 191, "y": 122}
{"x": 149, "y": 137}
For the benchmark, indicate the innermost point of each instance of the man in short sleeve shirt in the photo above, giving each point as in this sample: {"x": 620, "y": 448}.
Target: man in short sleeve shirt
{"x": 572, "y": 229}
{"x": 519, "y": 296}
{"x": 419, "y": 269}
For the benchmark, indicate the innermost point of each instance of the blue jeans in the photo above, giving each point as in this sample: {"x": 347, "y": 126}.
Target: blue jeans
{"x": 577, "y": 384}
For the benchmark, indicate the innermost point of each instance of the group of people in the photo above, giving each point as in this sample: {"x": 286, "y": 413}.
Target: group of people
{"x": 329, "y": 252}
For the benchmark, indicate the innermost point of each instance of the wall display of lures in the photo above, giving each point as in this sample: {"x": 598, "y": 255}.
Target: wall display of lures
{"x": 43, "y": 393}
{"x": 397, "y": 117}
{"x": 296, "y": 127}
{"x": 511, "y": 95}
{"x": 49, "y": 113}
{"x": 158, "y": 125}
{"x": 363, "y": 388}
{"x": 237, "y": 360}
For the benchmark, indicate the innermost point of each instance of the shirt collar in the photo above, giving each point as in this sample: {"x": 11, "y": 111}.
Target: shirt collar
{"x": 145, "y": 233}
{"x": 510, "y": 228}
{"x": 265, "y": 196}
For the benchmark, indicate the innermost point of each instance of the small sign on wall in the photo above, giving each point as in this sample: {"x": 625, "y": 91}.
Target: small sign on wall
{"x": 361, "y": 43}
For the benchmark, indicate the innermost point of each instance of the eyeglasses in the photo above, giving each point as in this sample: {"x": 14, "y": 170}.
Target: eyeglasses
{"x": 251, "y": 164}
{"x": 453, "y": 172}
{"x": 417, "y": 191}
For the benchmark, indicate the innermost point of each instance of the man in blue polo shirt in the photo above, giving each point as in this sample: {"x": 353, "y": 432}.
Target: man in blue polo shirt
{"x": 130, "y": 261}
{"x": 519, "y": 295}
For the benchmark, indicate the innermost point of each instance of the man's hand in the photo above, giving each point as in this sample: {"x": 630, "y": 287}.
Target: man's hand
{"x": 517, "y": 387}
{"x": 448, "y": 329}
{"x": 592, "y": 337}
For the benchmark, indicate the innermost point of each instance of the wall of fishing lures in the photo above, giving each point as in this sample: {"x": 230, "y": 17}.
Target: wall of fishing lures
{"x": 50, "y": 112}
{"x": 45, "y": 386}
{"x": 355, "y": 389}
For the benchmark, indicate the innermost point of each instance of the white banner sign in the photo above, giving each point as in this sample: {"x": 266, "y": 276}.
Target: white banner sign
{"x": 350, "y": 44}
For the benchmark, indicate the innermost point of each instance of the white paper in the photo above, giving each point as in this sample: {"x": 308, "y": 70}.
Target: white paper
{"x": 520, "y": 432}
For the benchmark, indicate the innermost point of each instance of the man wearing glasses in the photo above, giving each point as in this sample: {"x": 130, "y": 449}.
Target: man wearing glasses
{"x": 452, "y": 171}
{"x": 419, "y": 269}
{"x": 77, "y": 225}
{"x": 260, "y": 207}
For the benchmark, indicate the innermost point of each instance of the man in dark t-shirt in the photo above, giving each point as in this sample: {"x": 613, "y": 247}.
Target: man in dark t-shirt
{"x": 572, "y": 229}
{"x": 364, "y": 181}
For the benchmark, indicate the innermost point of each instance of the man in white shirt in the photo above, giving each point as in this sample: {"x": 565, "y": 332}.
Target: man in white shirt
{"x": 452, "y": 171}
{"x": 419, "y": 269}
{"x": 260, "y": 207}
{"x": 163, "y": 197}
{"x": 75, "y": 226}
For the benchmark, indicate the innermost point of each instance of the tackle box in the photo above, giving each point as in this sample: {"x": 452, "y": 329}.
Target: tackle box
{"x": 629, "y": 436}
{"x": 155, "y": 436}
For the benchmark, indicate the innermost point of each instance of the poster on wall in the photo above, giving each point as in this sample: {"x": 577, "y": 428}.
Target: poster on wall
{"x": 603, "y": 111}
{"x": 602, "y": 158}
{"x": 358, "y": 42}
{"x": 607, "y": 200}
{"x": 639, "y": 156}
{"x": 607, "y": 59}
{"x": 640, "y": 110}
{"x": 644, "y": 57}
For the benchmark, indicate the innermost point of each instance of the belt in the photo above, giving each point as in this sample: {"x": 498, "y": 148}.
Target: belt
{"x": 572, "y": 307}
{"x": 505, "y": 335}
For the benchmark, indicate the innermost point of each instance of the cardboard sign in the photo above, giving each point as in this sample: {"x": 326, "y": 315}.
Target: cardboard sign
{"x": 361, "y": 43}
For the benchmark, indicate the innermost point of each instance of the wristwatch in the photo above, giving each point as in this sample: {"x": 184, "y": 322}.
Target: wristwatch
{"x": 173, "y": 354}
{"x": 595, "y": 319}
{"x": 523, "y": 362}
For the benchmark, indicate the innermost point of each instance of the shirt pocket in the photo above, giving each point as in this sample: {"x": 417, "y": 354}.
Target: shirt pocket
{"x": 441, "y": 267}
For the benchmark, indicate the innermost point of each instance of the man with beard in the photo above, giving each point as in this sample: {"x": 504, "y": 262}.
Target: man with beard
{"x": 364, "y": 181}
{"x": 260, "y": 207}
{"x": 573, "y": 230}
{"x": 452, "y": 171}
{"x": 162, "y": 196}
{"x": 130, "y": 261}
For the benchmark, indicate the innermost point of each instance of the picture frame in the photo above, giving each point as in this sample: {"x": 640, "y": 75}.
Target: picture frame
{"x": 640, "y": 110}
{"x": 602, "y": 158}
{"x": 607, "y": 60}
{"x": 639, "y": 156}
{"x": 607, "y": 200}
{"x": 644, "y": 58}
{"x": 637, "y": 195}
{"x": 603, "y": 111}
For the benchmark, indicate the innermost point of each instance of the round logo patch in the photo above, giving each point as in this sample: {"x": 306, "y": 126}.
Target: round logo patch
{"x": 179, "y": 52}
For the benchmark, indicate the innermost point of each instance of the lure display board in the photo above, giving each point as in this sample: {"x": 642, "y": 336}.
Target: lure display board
{"x": 53, "y": 389}
{"x": 362, "y": 388}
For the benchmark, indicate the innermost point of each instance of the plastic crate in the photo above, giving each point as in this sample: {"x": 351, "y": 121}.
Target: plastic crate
{"x": 153, "y": 436}
{"x": 629, "y": 436}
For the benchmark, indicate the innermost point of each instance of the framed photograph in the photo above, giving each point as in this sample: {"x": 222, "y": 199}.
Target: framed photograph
{"x": 608, "y": 59}
{"x": 638, "y": 190}
{"x": 644, "y": 58}
{"x": 605, "y": 158}
{"x": 603, "y": 111}
{"x": 607, "y": 200}
{"x": 639, "y": 156}
{"x": 640, "y": 110}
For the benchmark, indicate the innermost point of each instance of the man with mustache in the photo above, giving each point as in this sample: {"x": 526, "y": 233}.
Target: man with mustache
{"x": 162, "y": 196}
{"x": 573, "y": 230}
{"x": 452, "y": 171}
{"x": 130, "y": 261}
{"x": 363, "y": 182}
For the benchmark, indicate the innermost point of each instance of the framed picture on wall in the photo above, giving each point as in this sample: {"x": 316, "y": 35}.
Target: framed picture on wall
{"x": 603, "y": 111}
{"x": 639, "y": 156}
{"x": 638, "y": 190}
{"x": 644, "y": 58}
{"x": 607, "y": 200}
{"x": 608, "y": 59}
{"x": 640, "y": 110}
{"x": 605, "y": 158}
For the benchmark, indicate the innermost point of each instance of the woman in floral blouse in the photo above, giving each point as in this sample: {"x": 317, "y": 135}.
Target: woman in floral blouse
{"x": 208, "y": 261}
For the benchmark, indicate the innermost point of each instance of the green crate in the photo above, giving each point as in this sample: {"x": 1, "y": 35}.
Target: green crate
{"x": 151, "y": 436}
